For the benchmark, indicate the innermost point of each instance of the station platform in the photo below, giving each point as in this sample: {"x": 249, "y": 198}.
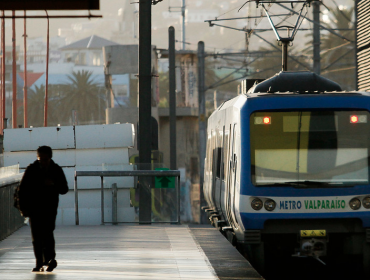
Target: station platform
{"x": 128, "y": 252}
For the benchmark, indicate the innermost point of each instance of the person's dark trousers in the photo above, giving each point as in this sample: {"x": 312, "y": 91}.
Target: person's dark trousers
{"x": 42, "y": 229}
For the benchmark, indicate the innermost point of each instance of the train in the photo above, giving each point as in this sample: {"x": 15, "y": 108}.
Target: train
{"x": 286, "y": 171}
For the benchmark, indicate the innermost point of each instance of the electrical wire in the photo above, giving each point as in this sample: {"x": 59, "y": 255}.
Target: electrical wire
{"x": 334, "y": 48}
{"x": 343, "y": 14}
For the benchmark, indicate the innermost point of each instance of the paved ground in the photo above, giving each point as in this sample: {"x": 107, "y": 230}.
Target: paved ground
{"x": 124, "y": 252}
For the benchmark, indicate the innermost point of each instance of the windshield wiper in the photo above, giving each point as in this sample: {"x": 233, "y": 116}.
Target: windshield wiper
{"x": 302, "y": 184}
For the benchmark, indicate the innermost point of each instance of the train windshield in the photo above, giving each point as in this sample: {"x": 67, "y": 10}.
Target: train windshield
{"x": 310, "y": 148}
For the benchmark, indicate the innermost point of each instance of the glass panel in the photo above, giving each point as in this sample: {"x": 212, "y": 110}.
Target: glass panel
{"x": 328, "y": 147}
{"x": 126, "y": 191}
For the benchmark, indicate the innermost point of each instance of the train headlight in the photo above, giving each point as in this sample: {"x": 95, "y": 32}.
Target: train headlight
{"x": 366, "y": 202}
{"x": 257, "y": 204}
{"x": 270, "y": 205}
{"x": 355, "y": 204}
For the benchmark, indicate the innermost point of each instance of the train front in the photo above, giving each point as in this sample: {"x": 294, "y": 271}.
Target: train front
{"x": 306, "y": 192}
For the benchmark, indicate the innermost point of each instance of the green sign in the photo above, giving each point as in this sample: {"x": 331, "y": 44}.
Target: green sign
{"x": 164, "y": 182}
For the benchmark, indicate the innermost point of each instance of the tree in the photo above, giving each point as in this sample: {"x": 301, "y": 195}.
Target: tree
{"x": 36, "y": 100}
{"x": 83, "y": 95}
{"x": 342, "y": 70}
{"x": 337, "y": 54}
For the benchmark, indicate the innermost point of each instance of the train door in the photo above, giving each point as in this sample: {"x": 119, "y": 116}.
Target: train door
{"x": 213, "y": 168}
{"x": 224, "y": 163}
{"x": 232, "y": 177}
{"x": 207, "y": 163}
{"x": 219, "y": 171}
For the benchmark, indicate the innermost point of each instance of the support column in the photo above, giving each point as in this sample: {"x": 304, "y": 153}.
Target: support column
{"x": 172, "y": 96}
{"x": 46, "y": 101}
{"x": 202, "y": 125}
{"x": 14, "y": 77}
{"x": 3, "y": 116}
{"x": 145, "y": 97}
{"x": 285, "y": 55}
{"x": 25, "y": 107}
{"x": 316, "y": 37}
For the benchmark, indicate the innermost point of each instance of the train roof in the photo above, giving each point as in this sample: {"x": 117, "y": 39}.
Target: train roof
{"x": 303, "y": 82}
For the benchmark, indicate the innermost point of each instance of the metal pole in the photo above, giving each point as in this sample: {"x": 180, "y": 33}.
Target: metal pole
{"x": 46, "y": 75}
{"x": 55, "y": 16}
{"x": 356, "y": 49}
{"x": 284, "y": 45}
{"x": 178, "y": 199}
{"x": 316, "y": 37}
{"x": 25, "y": 113}
{"x": 76, "y": 202}
{"x": 183, "y": 24}
{"x": 202, "y": 125}
{"x": 1, "y": 96}
{"x": 102, "y": 199}
{"x": 172, "y": 97}
{"x": 114, "y": 204}
{"x": 145, "y": 81}
{"x": 3, "y": 66}
{"x": 14, "y": 78}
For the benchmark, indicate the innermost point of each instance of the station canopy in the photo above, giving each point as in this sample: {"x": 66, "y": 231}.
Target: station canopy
{"x": 49, "y": 5}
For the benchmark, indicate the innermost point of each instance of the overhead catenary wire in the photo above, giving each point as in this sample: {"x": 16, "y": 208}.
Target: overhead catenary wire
{"x": 343, "y": 14}
{"x": 323, "y": 27}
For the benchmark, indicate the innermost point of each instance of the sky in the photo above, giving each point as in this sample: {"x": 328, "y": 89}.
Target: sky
{"x": 162, "y": 19}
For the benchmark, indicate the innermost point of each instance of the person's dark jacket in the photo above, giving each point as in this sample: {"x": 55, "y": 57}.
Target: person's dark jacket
{"x": 35, "y": 197}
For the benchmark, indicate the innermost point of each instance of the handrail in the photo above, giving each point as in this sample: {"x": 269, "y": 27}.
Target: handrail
{"x": 161, "y": 173}
{"x": 10, "y": 217}
{"x": 130, "y": 173}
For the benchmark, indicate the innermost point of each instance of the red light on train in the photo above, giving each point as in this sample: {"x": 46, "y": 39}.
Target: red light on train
{"x": 267, "y": 120}
{"x": 354, "y": 119}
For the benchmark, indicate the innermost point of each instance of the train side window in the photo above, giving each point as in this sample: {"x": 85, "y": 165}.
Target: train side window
{"x": 212, "y": 152}
{"x": 226, "y": 154}
{"x": 218, "y": 166}
{"x": 207, "y": 167}
{"x": 219, "y": 153}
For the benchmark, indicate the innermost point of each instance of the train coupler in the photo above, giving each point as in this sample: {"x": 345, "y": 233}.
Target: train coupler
{"x": 312, "y": 243}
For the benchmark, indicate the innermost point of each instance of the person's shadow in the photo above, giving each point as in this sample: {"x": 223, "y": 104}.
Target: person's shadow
{"x": 44, "y": 276}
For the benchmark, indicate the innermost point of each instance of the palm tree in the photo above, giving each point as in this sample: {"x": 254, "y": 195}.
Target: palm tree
{"x": 36, "y": 100}
{"x": 337, "y": 54}
{"x": 83, "y": 95}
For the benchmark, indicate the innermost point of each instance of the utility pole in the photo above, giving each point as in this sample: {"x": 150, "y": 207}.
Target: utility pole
{"x": 46, "y": 101}
{"x": 145, "y": 109}
{"x": 2, "y": 72}
{"x": 202, "y": 125}
{"x": 316, "y": 37}
{"x": 183, "y": 24}
{"x": 182, "y": 10}
{"x": 25, "y": 109}
{"x": 172, "y": 97}
{"x": 14, "y": 82}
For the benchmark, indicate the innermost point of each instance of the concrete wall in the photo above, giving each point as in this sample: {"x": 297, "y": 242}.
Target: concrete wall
{"x": 80, "y": 148}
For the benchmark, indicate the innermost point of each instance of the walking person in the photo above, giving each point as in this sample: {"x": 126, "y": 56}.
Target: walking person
{"x": 39, "y": 191}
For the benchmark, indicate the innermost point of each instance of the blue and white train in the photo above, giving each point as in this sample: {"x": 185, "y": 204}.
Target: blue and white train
{"x": 287, "y": 169}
